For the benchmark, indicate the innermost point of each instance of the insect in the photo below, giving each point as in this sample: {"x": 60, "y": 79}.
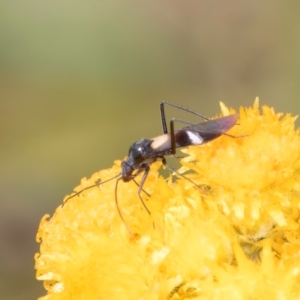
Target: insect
{"x": 147, "y": 151}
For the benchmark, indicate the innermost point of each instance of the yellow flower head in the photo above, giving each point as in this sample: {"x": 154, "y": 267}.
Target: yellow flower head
{"x": 236, "y": 237}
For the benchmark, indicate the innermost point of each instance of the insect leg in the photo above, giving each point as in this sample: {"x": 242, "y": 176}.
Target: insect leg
{"x": 163, "y": 115}
{"x": 181, "y": 108}
{"x": 235, "y": 136}
{"x": 147, "y": 169}
{"x": 173, "y": 142}
{"x": 118, "y": 208}
{"x": 139, "y": 186}
{"x": 181, "y": 175}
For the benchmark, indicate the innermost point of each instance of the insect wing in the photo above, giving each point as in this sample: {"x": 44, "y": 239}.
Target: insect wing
{"x": 204, "y": 132}
{"x": 217, "y": 126}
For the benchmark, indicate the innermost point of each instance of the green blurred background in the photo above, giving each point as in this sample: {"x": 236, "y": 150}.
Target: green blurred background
{"x": 81, "y": 80}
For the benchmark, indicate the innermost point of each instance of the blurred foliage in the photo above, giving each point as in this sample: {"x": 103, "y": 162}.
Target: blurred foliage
{"x": 80, "y": 81}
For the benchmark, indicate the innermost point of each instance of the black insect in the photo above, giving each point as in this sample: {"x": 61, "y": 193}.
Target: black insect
{"x": 146, "y": 151}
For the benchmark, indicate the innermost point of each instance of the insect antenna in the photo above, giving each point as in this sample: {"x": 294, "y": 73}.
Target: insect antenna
{"x": 91, "y": 186}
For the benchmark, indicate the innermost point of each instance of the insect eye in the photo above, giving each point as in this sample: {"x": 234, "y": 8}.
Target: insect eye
{"x": 126, "y": 171}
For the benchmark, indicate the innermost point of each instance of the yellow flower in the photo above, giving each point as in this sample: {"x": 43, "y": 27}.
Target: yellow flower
{"x": 236, "y": 238}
